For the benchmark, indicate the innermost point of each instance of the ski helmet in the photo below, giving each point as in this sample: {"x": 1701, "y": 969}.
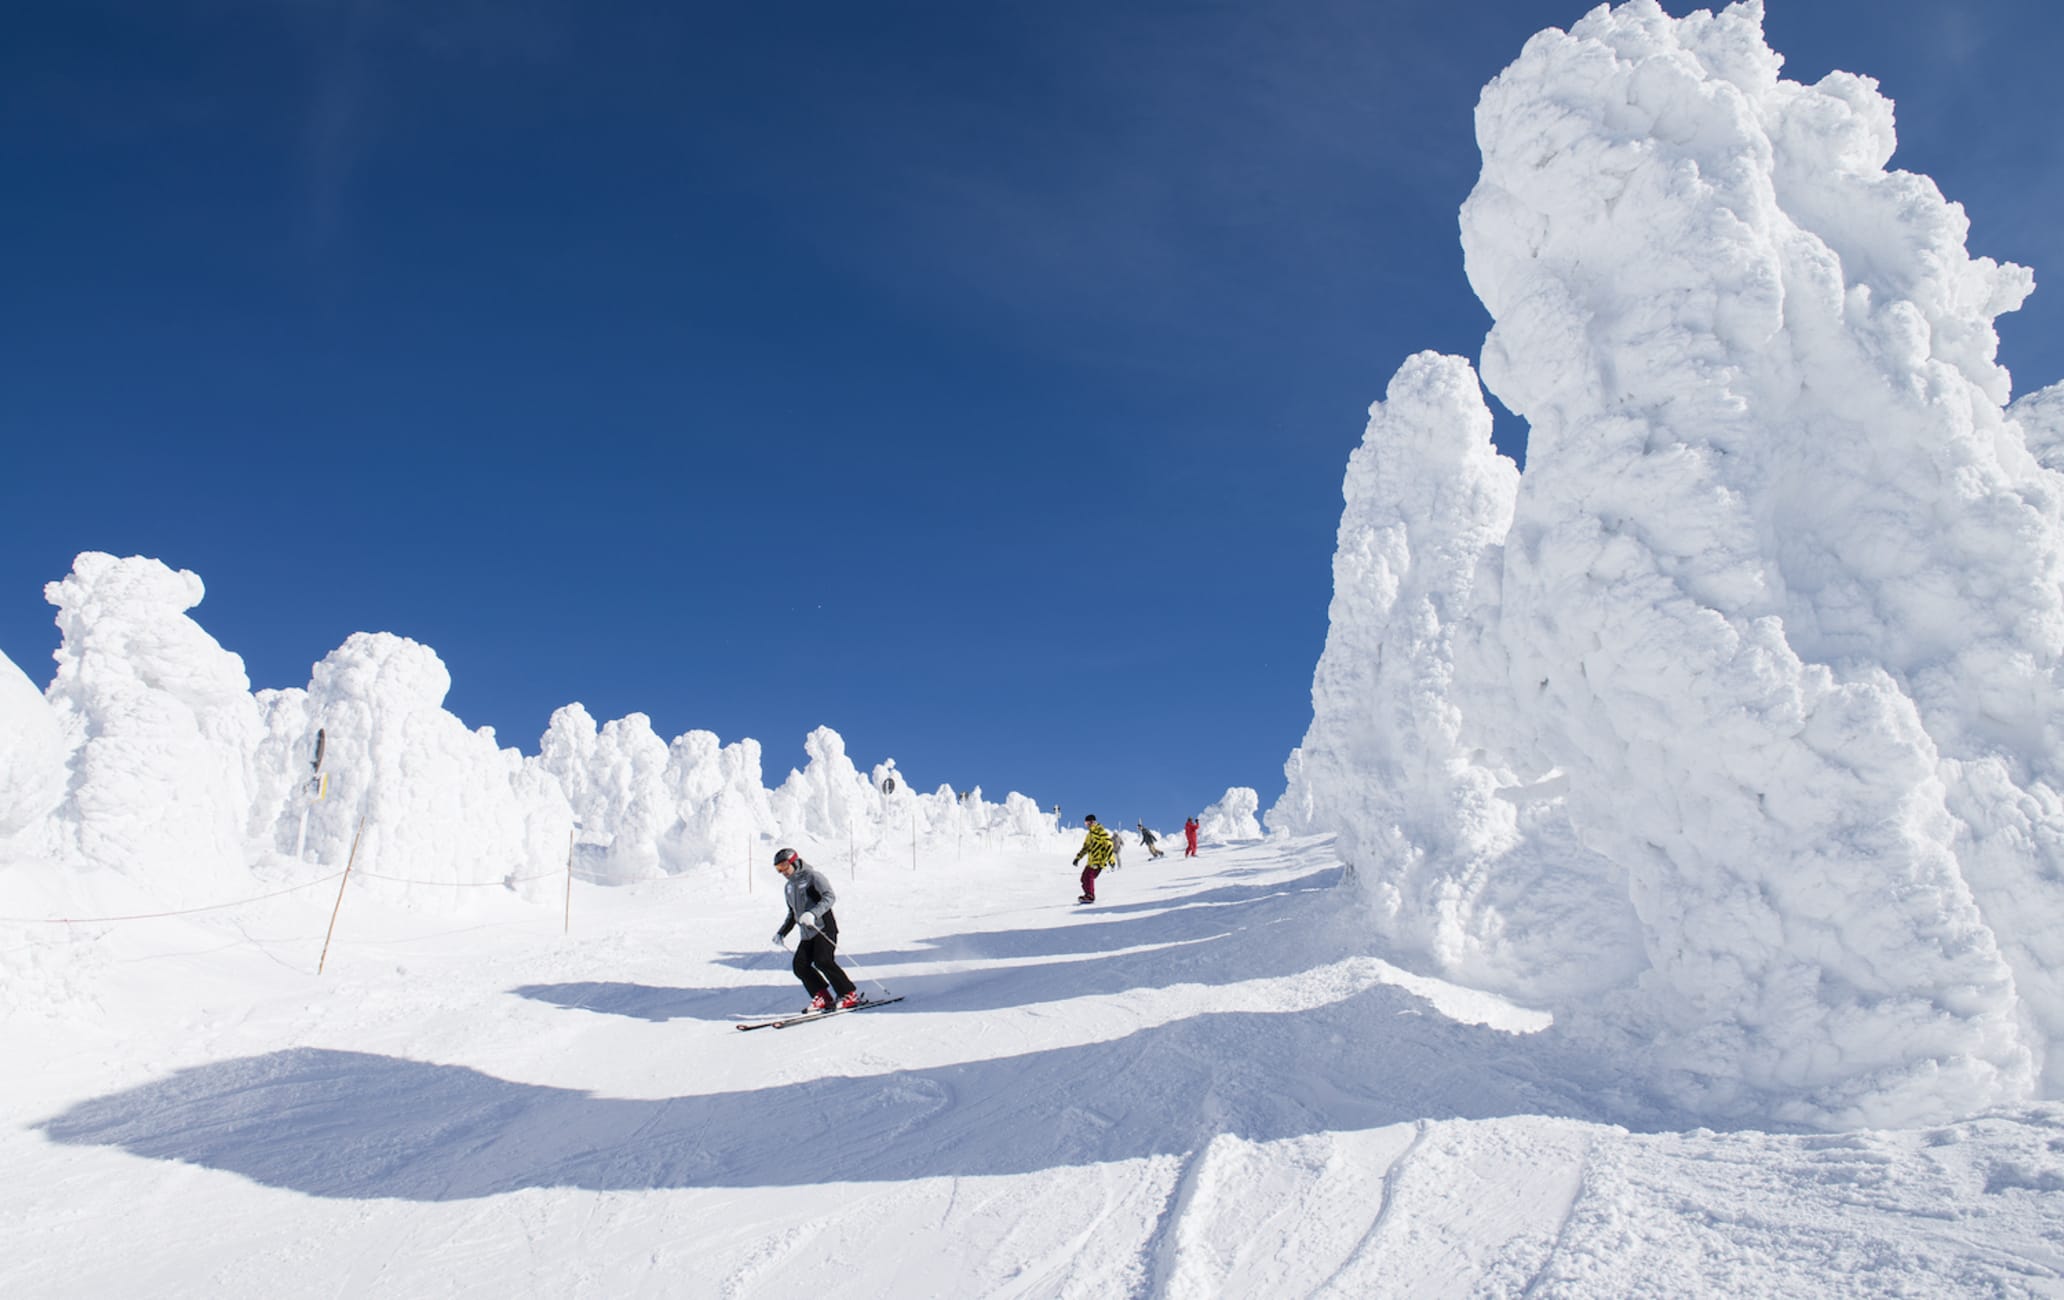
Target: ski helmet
{"x": 785, "y": 856}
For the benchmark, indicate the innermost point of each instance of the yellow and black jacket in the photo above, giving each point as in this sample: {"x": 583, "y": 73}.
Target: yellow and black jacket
{"x": 1096, "y": 846}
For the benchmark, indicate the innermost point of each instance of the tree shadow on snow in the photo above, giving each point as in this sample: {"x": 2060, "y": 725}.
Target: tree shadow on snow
{"x": 1327, "y": 878}
{"x": 651, "y": 1002}
{"x": 1169, "y": 917}
{"x": 1222, "y": 936}
{"x": 357, "y": 1125}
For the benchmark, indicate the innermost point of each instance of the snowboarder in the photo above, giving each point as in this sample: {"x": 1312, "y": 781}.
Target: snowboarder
{"x": 1189, "y": 830}
{"x": 1147, "y": 838}
{"x": 1096, "y": 846}
{"x": 809, "y": 906}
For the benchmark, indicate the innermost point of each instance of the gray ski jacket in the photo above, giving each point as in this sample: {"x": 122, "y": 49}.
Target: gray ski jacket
{"x": 808, "y": 891}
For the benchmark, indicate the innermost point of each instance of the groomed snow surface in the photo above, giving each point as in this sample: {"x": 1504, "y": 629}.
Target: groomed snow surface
{"x": 1201, "y": 1087}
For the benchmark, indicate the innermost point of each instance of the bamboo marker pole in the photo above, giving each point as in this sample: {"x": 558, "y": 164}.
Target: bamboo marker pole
{"x": 339, "y": 906}
{"x": 913, "y": 838}
{"x": 569, "y": 879}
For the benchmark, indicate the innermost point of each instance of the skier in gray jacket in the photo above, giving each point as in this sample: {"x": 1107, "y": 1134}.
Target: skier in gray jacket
{"x": 809, "y": 906}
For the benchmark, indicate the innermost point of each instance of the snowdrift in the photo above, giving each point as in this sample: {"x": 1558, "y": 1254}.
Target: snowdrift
{"x": 1730, "y": 729}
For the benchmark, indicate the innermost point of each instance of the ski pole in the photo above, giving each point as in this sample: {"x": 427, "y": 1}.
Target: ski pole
{"x": 853, "y": 970}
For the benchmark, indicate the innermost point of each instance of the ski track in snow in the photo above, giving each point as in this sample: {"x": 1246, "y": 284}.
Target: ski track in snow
{"x": 1204, "y": 1086}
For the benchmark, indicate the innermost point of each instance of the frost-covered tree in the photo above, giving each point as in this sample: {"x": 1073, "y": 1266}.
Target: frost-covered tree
{"x": 159, "y": 723}
{"x": 1775, "y": 630}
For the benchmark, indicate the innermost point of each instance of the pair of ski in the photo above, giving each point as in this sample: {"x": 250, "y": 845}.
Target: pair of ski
{"x": 804, "y": 1017}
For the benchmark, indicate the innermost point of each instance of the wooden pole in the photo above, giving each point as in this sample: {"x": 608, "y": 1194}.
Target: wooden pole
{"x": 339, "y": 906}
{"x": 569, "y": 878}
{"x": 913, "y": 837}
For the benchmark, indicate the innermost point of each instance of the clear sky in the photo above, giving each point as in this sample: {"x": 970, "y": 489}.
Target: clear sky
{"x": 974, "y": 378}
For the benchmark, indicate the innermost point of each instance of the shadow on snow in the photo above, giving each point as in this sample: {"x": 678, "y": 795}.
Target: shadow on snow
{"x": 1202, "y": 938}
{"x": 358, "y": 1125}
{"x": 351, "y": 1124}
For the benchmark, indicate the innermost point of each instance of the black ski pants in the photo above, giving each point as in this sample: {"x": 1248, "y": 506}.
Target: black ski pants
{"x": 816, "y": 967}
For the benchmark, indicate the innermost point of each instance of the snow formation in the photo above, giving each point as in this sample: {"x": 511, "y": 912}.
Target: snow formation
{"x": 32, "y": 751}
{"x": 150, "y": 757}
{"x": 2041, "y": 417}
{"x": 441, "y": 805}
{"x": 161, "y": 724}
{"x": 1385, "y": 764}
{"x": 1748, "y": 690}
{"x": 1231, "y": 818}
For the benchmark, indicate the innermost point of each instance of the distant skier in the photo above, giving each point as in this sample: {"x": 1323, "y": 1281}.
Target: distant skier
{"x": 1096, "y": 846}
{"x": 1189, "y": 830}
{"x": 1117, "y": 849}
{"x": 809, "y": 906}
{"x": 1147, "y": 838}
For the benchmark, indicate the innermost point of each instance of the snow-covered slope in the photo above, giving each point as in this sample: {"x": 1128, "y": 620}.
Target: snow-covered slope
{"x": 1199, "y": 1088}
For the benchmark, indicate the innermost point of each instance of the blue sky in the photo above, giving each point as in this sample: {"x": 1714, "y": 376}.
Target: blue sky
{"x": 976, "y": 379}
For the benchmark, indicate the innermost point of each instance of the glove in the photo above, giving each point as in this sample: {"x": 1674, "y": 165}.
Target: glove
{"x": 780, "y": 939}
{"x": 807, "y": 921}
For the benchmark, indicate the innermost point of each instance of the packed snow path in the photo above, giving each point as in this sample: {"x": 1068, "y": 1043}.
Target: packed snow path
{"x": 1202, "y": 1086}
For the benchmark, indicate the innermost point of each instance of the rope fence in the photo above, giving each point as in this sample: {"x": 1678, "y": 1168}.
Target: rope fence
{"x": 460, "y": 884}
{"x": 582, "y": 877}
{"x": 756, "y": 850}
{"x": 184, "y": 911}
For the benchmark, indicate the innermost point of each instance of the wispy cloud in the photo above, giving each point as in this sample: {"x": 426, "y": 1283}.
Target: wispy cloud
{"x": 338, "y": 127}
{"x": 1144, "y": 166}
{"x": 355, "y": 49}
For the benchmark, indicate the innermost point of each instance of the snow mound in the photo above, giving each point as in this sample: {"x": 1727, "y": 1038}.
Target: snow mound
{"x": 616, "y": 778}
{"x": 1385, "y": 764}
{"x": 1231, "y": 818}
{"x": 441, "y": 805}
{"x": 2041, "y": 417}
{"x": 32, "y": 752}
{"x": 723, "y": 808}
{"x": 1757, "y": 688}
{"x": 151, "y": 756}
{"x": 161, "y": 725}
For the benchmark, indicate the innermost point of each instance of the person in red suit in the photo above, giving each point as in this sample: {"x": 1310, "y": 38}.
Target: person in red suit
{"x": 1189, "y": 830}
